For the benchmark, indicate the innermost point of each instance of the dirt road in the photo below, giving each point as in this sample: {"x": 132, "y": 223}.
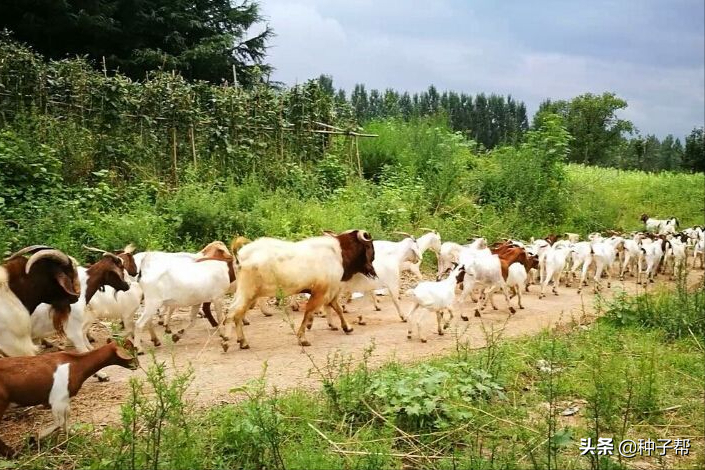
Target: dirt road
{"x": 272, "y": 340}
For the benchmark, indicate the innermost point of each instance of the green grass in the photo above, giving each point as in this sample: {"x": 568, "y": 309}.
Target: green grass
{"x": 499, "y": 407}
{"x": 606, "y": 198}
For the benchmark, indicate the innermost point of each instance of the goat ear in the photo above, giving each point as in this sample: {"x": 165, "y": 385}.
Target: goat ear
{"x": 66, "y": 283}
{"x": 123, "y": 353}
{"x": 109, "y": 340}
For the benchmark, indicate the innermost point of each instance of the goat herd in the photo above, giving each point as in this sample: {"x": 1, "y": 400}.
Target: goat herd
{"x": 43, "y": 292}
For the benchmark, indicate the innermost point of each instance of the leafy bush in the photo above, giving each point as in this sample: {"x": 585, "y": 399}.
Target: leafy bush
{"x": 427, "y": 396}
{"x": 678, "y": 314}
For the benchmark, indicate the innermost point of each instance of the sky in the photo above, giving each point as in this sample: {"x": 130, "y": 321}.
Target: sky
{"x": 651, "y": 53}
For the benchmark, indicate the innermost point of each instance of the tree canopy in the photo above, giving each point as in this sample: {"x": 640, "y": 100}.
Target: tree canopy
{"x": 200, "y": 39}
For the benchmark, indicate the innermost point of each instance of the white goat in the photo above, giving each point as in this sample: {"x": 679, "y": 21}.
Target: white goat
{"x": 183, "y": 282}
{"x": 603, "y": 253}
{"x": 434, "y": 296}
{"x": 675, "y": 257}
{"x": 387, "y": 263}
{"x": 555, "y": 261}
{"x": 486, "y": 270}
{"x": 652, "y": 253}
{"x": 430, "y": 240}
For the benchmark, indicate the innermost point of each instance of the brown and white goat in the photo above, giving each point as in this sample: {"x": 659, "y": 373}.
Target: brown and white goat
{"x": 48, "y": 276}
{"x": 52, "y": 379}
{"x": 268, "y": 267}
{"x": 108, "y": 271}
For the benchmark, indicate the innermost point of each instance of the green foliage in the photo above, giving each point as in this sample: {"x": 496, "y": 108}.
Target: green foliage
{"x": 202, "y": 40}
{"x": 678, "y": 314}
{"x": 27, "y": 172}
{"x": 428, "y": 396}
{"x": 530, "y": 179}
{"x": 694, "y": 155}
{"x": 592, "y": 122}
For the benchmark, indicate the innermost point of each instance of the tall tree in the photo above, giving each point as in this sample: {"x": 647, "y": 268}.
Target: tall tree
{"x": 204, "y": 39}
{"x": 592, "y": 121}
{"x": 694, "y": 154}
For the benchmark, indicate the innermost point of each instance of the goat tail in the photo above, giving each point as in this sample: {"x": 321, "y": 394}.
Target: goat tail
{"x": 237, "y": 243}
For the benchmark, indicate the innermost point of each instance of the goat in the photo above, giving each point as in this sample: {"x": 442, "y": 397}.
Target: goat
{"x": 491, "y": 271}
{"x": 602, "y": 254}
{"x": 52, "y": 379}
{"x": 555, "y": 261}
{"x": 108, "y": 271}
{"x": 430, "y": 240}
{"x": 631, "y": 254}
{"x": 185, "y": 282}
{"x": 48, "y": 276}
{"x": 436, "y": 297}
{"x": 317, "y": 265}
{"x": 660, "y": 226}
{"x": 652, "y": 253}
{"x": 449, "y": 253}
{"x": 389, "y": 257}
{"x": 675, "y": 257}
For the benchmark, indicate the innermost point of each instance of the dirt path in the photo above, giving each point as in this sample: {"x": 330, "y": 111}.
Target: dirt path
{"x": 272, "y": 340}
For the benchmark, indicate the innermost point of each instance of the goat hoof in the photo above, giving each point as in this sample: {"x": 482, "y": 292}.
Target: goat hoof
{"x": 521, "y": 307}
{"x": 160, "y": 323}
{"x": 303, "y": 342}
{"x": 225, "y": 346}
{"x": 103, "y": 378}
{"x": 245, "y": 322}
{"x": 175, "y": 338}
{"x": 360, "y": 322}
{"x": 244, "y": 345}
{"x": 332, "y": 327}
{"x": 609, "y": 285}
{"x": 266, "y": 314}
{"x": 512, "y": 310}
{"x": 477, "y": 314}
{"x": 347, "y": 329}
{"x": 308, "y": 327}
{"x": 440, "y": 332}
{"x": 156, "y": 343}
{"x": 423, "y": 340}
{"x": 464, "y": 318}
{"x": 494, "y": 308}
{"x": 167, "y": 330}
{"x": 140, "y": 352}
{"x": 555, "y": 293}
{"x": 377, "y": 309}
{"x": 408, "y": 336}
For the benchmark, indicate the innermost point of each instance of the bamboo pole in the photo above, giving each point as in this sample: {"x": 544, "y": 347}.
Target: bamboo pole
{"x": 192, "y": 137}
{"x": 174, "y": 169}
{"x": 357, "y": 152}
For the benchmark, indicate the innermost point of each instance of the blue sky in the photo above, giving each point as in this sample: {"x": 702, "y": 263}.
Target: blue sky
{"x": 650, "y": 53}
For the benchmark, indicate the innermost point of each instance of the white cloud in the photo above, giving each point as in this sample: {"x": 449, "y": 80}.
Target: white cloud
{"x": 487, "y": 47}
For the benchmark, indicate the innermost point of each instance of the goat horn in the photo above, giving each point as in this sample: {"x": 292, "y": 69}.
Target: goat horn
{"x": 50, "y": 254}
{"x": 90, "y": 248}
{"x": 362, "y": 235}
{"x": 108, "y": 254}
{"x": 404, "y": 233}
{"x": 427, "y": 229}
{"x": 29, "y": 249}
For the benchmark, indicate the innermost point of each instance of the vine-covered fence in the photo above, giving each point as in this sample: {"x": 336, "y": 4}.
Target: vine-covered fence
{"x": 164, "y": 123}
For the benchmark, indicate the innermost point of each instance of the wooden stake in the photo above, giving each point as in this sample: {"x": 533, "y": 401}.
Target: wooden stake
{"x": 357, "y": 152}
{"x": 173, "y": 141}
{"x": 193, "y": 145}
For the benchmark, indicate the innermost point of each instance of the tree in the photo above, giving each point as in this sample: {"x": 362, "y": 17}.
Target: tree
{"x": 201, "y": 40}
{"x": 593, "y": 123}
{"x": 694, "y": 154}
